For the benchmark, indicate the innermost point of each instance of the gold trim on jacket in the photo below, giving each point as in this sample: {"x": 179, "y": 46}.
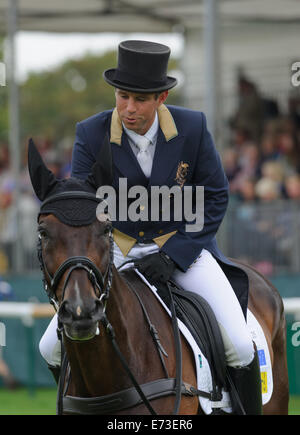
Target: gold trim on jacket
{"x": 166, "y": 122}
{"x": 126, "y": 243}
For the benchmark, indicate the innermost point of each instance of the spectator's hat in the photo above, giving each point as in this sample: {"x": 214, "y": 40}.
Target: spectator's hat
{"x": 142, "y": 67}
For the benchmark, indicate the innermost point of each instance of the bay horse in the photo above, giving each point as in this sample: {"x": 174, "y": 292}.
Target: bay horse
{"x": 114, "y": 330}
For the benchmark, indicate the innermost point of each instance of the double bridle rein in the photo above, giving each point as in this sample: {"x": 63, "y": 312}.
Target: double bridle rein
{"x": 139, "y": 394}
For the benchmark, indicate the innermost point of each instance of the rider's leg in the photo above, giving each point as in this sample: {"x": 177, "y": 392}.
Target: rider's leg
{"x": 206, "y": 278}
{"x": 50, "y": 348}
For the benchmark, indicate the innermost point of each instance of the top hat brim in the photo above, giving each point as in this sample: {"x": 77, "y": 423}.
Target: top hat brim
{"x": 109, "y": 74}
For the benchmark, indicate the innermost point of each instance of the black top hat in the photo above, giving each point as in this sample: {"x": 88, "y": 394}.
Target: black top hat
{"x": 142, "y": 67}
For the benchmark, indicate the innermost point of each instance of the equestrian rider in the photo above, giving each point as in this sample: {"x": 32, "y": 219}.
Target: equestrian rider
{"x": 158, "y": 145}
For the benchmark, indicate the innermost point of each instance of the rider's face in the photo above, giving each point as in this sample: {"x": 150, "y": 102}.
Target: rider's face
{"x": 137, "y": 110}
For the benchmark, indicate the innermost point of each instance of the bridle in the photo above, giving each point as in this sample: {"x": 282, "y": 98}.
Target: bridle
{"x": 95, "y": 275}
{"x": 72, "y": 263}
{"x": 102, "y": 286}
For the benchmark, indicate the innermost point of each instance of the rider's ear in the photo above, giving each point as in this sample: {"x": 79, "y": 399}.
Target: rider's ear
{"x": 102, "y": 171}
{"x": 42, "y": 179}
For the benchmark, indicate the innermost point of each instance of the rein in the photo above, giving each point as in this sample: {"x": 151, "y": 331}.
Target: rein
{"x": 139, "y": 394}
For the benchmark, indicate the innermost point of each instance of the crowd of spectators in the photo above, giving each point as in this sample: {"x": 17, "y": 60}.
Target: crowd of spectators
{"x": 262, "y": 164}
{"x": 262, "y": 161}
{"x": 27, "y": 205}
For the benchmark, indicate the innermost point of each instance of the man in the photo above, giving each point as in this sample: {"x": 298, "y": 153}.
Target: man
{"x": 156, "y": 145}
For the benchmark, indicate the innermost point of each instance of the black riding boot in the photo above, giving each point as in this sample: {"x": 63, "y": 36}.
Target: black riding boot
{"x": 55, "y": 370}
{"x": 247, "y": 382}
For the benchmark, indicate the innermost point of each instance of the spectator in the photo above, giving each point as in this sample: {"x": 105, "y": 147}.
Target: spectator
{"x": 250, "y": 111}
{"x": 289, "y": 152}
{"x": 292, "y": 187}
{"x": 231, "y": 163}
{"x": 273, "y": 170}
{"x": 268, "y": 149}
{"x": 246, "y": 191}
{"x": 267, "y": 189}
{"x": 248, "y": 161}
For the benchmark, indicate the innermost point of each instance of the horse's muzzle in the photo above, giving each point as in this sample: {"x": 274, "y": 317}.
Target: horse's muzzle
{"x": 80, "y": 323}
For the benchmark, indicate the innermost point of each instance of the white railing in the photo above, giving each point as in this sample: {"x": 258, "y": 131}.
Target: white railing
{"x": 26, "y": 311}
{"x": 292, "y": 306}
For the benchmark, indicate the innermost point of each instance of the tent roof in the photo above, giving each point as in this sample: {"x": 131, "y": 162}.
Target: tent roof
{"x": 141, "y": 15}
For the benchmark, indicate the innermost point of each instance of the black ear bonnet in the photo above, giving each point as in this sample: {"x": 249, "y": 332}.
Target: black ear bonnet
{"x": 73, "y": 201}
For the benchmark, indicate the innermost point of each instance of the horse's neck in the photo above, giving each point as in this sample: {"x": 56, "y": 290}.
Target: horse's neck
{"x": 95, "y": 367}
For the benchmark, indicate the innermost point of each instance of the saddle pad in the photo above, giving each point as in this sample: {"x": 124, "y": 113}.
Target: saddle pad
{"x": 259, "y": 338}
{"x": 204, "y": 378}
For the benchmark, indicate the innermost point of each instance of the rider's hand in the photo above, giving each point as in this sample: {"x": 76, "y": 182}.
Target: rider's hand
{"x": 156, "y": 267}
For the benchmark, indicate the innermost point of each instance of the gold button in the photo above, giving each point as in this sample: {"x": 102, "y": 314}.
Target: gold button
{"x": 141, "y": 233}
{"x": 160, "y": 231}
{"x": 142, "y": 207}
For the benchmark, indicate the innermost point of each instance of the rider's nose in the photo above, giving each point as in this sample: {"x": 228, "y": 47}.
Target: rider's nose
{"x": 131, "y": 105}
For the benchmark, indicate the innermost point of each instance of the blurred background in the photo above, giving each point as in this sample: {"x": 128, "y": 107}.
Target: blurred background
{"x": 233, "y": 60}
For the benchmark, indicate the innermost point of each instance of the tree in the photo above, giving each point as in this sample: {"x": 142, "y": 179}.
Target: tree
{"x": 53, "y": 101}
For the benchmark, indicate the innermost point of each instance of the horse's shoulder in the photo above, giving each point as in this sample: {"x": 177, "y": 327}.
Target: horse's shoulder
{"x": 138, "y": 286}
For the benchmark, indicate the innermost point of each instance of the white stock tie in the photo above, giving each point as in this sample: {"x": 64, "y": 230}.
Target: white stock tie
{"x": 144, "y": 157}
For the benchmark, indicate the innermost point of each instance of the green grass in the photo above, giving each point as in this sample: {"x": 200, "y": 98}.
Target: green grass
{"x": 20, "y": 402}
{"x": 294, "y": 405}
{"x": 43, "y": 402}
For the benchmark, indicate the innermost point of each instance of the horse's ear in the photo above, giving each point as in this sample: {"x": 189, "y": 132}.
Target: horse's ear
{"x": 102, "y": 170}
{"x": 42, "y": 179}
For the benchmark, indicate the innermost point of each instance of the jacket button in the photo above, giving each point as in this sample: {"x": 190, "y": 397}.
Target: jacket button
{"x": 141, "y": 233}
{"x": 160, "y": 231}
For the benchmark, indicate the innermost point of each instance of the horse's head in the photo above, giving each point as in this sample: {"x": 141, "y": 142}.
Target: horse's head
{"x": 75, "y": 248}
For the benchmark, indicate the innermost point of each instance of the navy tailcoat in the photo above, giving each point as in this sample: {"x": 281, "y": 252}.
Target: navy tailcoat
{"x": 185, "y": 152}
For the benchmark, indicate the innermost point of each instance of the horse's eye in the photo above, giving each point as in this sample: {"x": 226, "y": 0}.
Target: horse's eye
{"x": 42, "y": 233}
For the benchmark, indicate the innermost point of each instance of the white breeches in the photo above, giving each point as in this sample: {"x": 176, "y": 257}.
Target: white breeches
{"x": 204, "y": 277}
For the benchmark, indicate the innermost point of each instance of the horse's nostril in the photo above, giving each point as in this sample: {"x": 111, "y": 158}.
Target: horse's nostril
{"x": 69, "y": 312}
{"x": 64, "y": 313}
{"x": 97, "y": 313}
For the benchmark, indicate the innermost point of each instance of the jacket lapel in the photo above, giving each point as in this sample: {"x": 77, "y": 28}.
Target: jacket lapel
{"x": 126, "y": 162}
{"x": 167, "y": 153}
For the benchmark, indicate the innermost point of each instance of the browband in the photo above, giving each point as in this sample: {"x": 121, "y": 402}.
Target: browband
{"x": 71, "y": 195}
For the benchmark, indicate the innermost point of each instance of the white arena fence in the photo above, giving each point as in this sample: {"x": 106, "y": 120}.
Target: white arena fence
{"x": 29, "y": 312}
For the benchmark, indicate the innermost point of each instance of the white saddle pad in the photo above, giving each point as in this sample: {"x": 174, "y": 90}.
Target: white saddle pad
{"x": 204, "y": 379}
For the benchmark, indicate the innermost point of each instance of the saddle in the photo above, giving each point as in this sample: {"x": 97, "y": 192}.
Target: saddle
{"x": 198, "y": 317}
